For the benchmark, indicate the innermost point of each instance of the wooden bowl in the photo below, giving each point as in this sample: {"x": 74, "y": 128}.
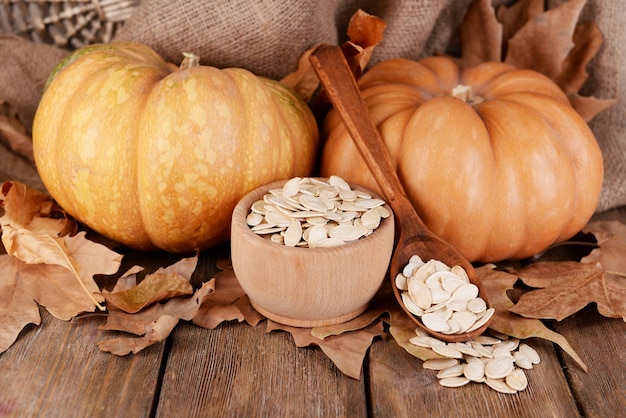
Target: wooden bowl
{"x": 308, "y": 287}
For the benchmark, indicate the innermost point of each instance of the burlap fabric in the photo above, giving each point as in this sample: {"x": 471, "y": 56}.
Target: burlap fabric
{"x": 267, "y": 37}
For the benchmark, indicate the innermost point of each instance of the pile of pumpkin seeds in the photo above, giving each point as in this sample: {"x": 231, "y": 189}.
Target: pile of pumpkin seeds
{"x": 310, "y": 212}
{"x": 497, "y": 361}
{"x": 442, "y": 296}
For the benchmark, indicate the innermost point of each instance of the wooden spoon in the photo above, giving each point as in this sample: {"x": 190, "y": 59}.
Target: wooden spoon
{"x": 413, "y": 236}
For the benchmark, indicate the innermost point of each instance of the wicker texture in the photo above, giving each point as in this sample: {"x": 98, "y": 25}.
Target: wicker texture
{"x": 68, "y": 24}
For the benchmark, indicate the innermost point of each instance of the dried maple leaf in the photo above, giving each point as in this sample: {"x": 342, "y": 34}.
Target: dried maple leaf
{"x": 564, "y": 288}
{"x": 528, "y": 36}
{"x": 364, "y": 31}
{"x": 346, "y": 350}
{"x": 516, "y": 15}
{"x": 506, "y": 321}
{"x": 153, "y": 324}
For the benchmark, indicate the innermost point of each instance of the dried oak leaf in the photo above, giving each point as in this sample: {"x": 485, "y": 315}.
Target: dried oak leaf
{"x": 227, "y": 303}
{"x": 153, "y": 288}
{"x": 153, "y": 324}
{"x": 507, "y": 321}
{"x": 165, "y": 283}
{"x": 346, "y": 350}
{"x": 34, "y": 230}
{"x": 364, "y": 31}
{"x": 23, "y": 287}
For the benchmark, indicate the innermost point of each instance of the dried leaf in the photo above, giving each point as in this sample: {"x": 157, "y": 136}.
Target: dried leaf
{"x": 165, "y": 283}
{"x": 153, "y": 324}
{"x": 611, "y": 251}
{"x": 229, "y": 302}
{"x": 589, "y": 107}
{"x": 23, "y": 287}
{"x": 32, "y": 233}
{"x": 365, "y": 32}
{"x": 402, "y": 329}
{"x": 481, "y": 34}
{"x": 346, "y": 350}
{"x": 505, "y": 321}
{"x": 587, "y": 40}
{"x": 379, "y": 305}
{"x": 538, "y": 46}
{"x": 516, "y": 15}
{"x": 43, "y": 265}
{"x": 528, "y": 36}
{"x": 18, "y": 308}
{"x": 183, "y": 267}
{"x": 154, "y": 288}
{"x": 26, "y": 208}
{"x": 564, "y": 288}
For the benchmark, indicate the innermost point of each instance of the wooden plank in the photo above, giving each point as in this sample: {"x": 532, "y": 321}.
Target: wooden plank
{"x": 401, "y": 387}
{"x": 237, "y": 370}
{"x": 56, "y": 369}
{"x": 600, "y": 342}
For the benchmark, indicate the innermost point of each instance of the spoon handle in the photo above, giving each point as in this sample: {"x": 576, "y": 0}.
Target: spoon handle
{"x": 334, "y": 73}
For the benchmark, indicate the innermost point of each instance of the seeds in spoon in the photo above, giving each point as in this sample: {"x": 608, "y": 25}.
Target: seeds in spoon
{"x": 449, "y": 301}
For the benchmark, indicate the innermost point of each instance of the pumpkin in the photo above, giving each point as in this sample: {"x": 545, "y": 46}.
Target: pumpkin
{"x": 493, "y": 158}
{"x": 156, "y": 157}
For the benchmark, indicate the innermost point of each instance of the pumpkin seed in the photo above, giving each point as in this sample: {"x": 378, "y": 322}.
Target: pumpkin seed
{"x": 254, "y": 219}
{"x": 293, "y": 234}
{"x": 450, "y": 291}
{"x": 499, "y": 368}
{"x": 420, "y": 294}
{"x": 291, "y": 187}
{"x": 454, "y": 382}
{"x": 447, "y": 351}
{"x": 529, "y": 352}
{"x": 309, "y": 201}
{"x": 453, "y": 371}
{"x": 522, "y": 361}
{"x": 500, "y": 386}
{"x": 517, "y": 380}
{"x": 495, "y": 363}
{"x": 474, "y": 371}
{"x": 439, "y": 363}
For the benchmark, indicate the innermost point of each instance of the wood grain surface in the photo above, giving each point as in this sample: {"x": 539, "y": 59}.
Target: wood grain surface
{"x": 56, "y": 370}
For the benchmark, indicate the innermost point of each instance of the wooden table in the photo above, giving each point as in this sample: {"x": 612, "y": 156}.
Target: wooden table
{"x": 56, "y": 370}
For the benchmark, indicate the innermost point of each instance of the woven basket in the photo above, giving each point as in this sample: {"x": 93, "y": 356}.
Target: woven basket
{"x": 68, "y": 24}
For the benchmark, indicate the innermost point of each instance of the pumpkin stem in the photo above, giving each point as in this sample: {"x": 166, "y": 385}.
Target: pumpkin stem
{"x": 466, "y": 94}
{"x": 190, "y": 60}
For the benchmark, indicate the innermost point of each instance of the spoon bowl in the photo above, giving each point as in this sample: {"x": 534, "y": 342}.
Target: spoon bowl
{"x": 414, "y": 237}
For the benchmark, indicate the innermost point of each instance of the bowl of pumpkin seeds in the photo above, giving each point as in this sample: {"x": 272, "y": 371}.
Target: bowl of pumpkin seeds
{"x": 311, "y": 251}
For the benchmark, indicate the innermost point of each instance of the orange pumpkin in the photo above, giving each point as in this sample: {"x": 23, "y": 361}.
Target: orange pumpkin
{"x": 153, "y": 156}
{"x": 493, "y": 158}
